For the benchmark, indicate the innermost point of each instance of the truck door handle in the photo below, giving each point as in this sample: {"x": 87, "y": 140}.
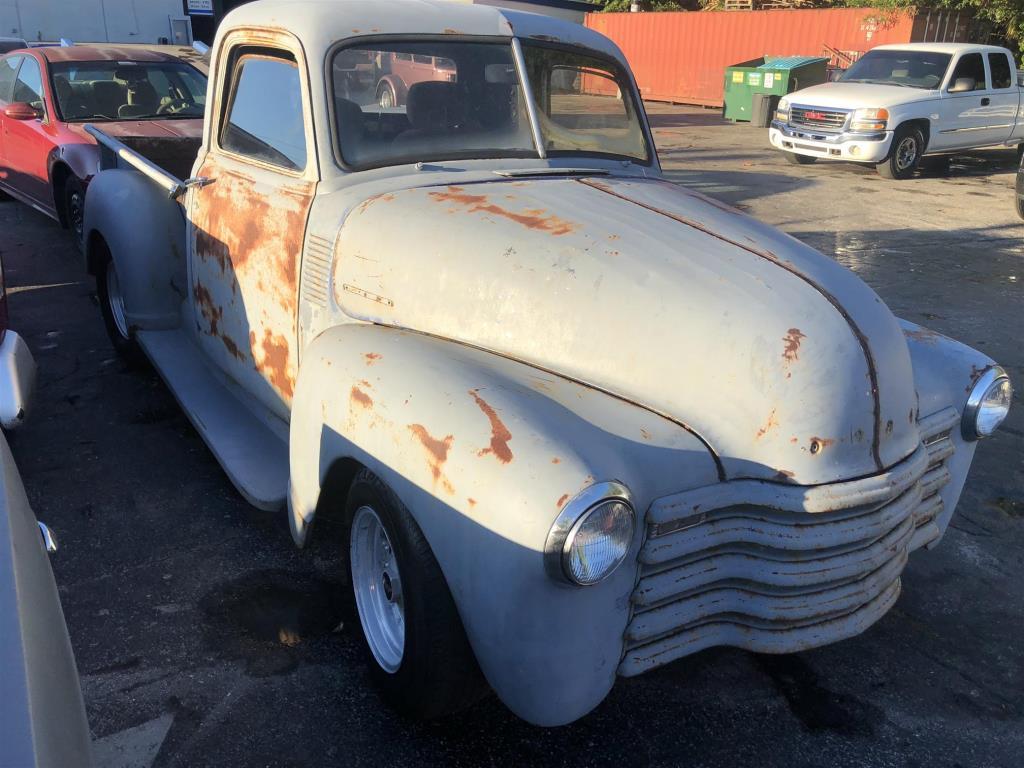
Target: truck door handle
{"x": 986, "y": 101}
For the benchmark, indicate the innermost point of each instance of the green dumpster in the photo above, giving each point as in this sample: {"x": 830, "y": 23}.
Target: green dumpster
{"x": 772, "y": 75}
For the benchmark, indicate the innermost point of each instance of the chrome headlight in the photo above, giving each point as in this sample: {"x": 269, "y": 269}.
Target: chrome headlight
{"x": 591, "y": 536}
{"x": 869, "y": 120}
{"x": 987, "y": 405}
{"x": 782, "y": 111}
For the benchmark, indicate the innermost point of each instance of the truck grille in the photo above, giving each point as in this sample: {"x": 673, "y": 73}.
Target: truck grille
{"x": 819, "y": 119}
{"x": 778, "y": 569}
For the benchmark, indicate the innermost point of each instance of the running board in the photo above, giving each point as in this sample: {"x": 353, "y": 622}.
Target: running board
{"x": 252, "y": 456}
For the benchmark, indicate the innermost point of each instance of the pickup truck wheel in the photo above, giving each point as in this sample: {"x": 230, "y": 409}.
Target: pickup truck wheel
{"x": 420, "y": 657}
{"x": 905, "y": 155}
{"x": 798, "y": 159}
{"x": 74, "y": 211}
{"x": 108, "y": 290}
{"x": 385, "y": 96}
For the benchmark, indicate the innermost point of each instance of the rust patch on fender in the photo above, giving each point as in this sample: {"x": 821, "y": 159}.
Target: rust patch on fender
{"x": 769, "y": 425}
{"x": 784, "y": 475}
{"x": 924, "y": 335}
{"x": 358, "y": 397}
{"x": 556, "y": 460}
{"x": 976, "y": 374}
{"x": 371, "y": 358}
{"x": 499, "y": 432}
{"x": 534, "y": 218}
{"x": 471, "y": 500}
{"x": 561, "y": 500}
{"x": 437, "y": 452}
{"x": 793, "y": 338}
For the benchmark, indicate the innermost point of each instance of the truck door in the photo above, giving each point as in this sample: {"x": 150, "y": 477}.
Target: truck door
{"x": 970, "y": 118}
{"x": 248, "y": 222}
{"x": 1005, "y": 98}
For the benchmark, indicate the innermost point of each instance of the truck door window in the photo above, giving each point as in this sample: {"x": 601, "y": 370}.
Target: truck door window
{"x": 8, "y": 71}
{"x": 1002, "y": 73}
{"x": 29, "y": 85}
{"x": 973, "y": 66}
{"x": 265, "y": 115}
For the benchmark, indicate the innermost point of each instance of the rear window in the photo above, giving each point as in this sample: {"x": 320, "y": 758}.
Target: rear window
{"x": 1002, "y": 76}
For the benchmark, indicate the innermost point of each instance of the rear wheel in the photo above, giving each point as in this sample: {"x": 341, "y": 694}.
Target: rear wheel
{"x": 419, "y": 655}
{"x": 74, "y": 210}
{"x": 385, "y": 96}
{"x": 108, "y": 290}
{"x": 905, "y": 155}
{"x": 798, "y": 159}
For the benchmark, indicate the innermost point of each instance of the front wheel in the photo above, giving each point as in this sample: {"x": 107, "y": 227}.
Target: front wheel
{"x": 385, "y": 96}
{"x": 108, "y": 291}
{"x": 419, "y": 655}
{"x": 905, "y": 155}
{"x": 798, "y": 159}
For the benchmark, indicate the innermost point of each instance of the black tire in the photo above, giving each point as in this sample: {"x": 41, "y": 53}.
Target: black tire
{"x": 438, "y": 673}
{"x": 798, "y": 159}
{"x": 905, "y": 155}
{"x": 122, "y": 338}
{"x": 74, "y": 211}
{"x": 1020, "y": 206}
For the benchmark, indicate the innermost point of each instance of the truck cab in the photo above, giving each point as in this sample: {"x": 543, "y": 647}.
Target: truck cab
{"x": 560, "y": 406}
{"x": 899, "y": 103}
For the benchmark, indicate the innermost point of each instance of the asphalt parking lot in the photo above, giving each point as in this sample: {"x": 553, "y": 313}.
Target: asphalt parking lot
{"x": 203, "y": 637}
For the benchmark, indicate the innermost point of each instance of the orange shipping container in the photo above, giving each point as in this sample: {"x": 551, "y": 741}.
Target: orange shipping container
{"x": 682, "y": 56}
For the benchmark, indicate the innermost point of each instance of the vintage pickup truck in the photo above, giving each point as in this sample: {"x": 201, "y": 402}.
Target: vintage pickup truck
{"x": 577, "y": 422}
{"x": 899, "y": 103}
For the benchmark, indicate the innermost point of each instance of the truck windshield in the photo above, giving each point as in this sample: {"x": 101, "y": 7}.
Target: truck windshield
{"x": 400, "y": 102}
{"x": 100, "y": 91}
{"x": 911, "y": 69}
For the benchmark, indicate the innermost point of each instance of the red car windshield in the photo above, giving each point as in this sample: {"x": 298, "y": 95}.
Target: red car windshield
{"x": 99, "y": 91}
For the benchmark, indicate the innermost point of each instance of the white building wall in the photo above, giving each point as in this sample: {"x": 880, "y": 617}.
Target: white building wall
{"x": 88, "y": 21}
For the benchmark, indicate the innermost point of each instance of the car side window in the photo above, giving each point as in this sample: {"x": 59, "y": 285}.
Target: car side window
{"x": 29, "y": 85}
{"x": 264, "y": 117}
{"x": 1002, "y": 72}
{"x": 971, "y": 65}
{"x": 8, "y": 71}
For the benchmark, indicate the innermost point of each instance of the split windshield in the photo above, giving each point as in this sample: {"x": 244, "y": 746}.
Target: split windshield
{"x": 99, "y": 91}
{"x": 911, "y": 69}
{"x": 399, "y": 102}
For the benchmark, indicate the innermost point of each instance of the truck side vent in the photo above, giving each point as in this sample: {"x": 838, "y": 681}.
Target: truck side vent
{"x": 316, "y": 267}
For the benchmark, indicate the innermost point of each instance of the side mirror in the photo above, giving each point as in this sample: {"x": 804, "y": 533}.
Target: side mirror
{"x": 21, "y": 110}
{"x": 963, "y": 85}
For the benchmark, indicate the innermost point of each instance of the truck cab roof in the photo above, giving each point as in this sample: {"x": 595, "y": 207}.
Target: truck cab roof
{"x": 950, "y": 48}
{"x": 321, "y": 23}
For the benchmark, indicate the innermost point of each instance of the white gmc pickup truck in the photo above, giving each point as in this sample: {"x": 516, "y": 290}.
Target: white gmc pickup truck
{"x": 901, "y": 102}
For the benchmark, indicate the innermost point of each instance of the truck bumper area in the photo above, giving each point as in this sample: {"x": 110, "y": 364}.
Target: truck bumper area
{"x": 856, "y": 147}
{"x": 17, "y": 379}
{"x": 779, "y": 569}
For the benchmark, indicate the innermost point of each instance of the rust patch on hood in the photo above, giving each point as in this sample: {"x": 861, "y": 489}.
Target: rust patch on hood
{"x": 793, "y": 338}
{"x": 371, "y": 358}
{"x": 358, "y": 397}
{"x": 533, "y": 218}
{"x": 437, "y": 452}
{"x": 499, "y": 432}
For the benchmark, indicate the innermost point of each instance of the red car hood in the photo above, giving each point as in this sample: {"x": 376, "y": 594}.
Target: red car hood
{"x": 150, "y": 129}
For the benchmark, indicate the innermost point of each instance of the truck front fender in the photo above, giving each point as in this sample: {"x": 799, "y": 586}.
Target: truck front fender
{"x": 144, "y": 231}
{"x": 485, "y": 452}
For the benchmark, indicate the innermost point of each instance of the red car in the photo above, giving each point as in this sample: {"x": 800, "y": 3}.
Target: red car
{"x": 148, "y": 98}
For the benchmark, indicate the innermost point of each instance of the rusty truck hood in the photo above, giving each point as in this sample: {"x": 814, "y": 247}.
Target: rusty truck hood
{"x": 784, "y": 362}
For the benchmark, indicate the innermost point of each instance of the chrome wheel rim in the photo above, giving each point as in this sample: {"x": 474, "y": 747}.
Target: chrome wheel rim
{"x": 386, "y": 100}
{"x": 116, "y": 301}
{"x": 378, "y": 589}
{"x": 906, "y": 153}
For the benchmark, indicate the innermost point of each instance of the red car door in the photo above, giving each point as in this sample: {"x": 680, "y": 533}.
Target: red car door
{"x": 27, "y": 143}
{"x": 8, "y": 72}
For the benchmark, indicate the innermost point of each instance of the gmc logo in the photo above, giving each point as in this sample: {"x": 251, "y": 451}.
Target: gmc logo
{"x": 811, "y": 115}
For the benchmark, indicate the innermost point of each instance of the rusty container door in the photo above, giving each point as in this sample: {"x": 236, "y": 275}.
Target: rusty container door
{"x": 682, "y": 57}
